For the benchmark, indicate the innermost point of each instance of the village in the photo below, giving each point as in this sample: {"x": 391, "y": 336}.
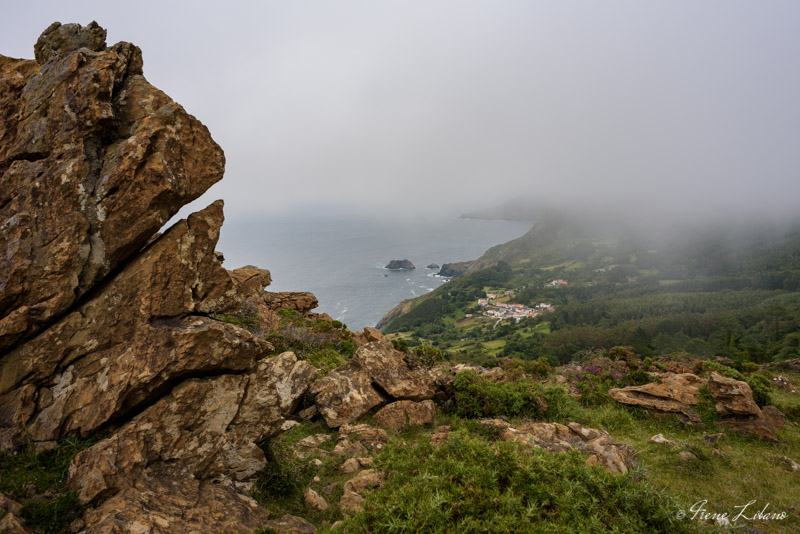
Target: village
{"x": 490, "y": 307}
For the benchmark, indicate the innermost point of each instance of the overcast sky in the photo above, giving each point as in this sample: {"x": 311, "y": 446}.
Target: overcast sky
{"x": 683, "y": 106}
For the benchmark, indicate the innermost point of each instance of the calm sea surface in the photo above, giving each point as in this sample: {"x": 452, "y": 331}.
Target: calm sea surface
{"x": 341, "y": 258}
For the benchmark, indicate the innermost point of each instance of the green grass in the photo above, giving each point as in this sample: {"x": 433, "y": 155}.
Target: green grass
{"x": 26, "y": 476}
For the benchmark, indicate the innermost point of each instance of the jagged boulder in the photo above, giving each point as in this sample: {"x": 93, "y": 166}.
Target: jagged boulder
{"x": 134, "y": 338}
{"x": 205, "y": 428}
{"x": 733, "y": 397}
{"x": 375, "y": 375}
{"x": 93, "y": 161}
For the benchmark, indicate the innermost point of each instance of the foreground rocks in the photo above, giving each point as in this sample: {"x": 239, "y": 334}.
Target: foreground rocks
{"x": 205, "y": 429}
{"x": 596, "y": 444}
{"x": 376, "y": 375}
{"x": 733, "y": 402}
{"x": 107, "y": 325}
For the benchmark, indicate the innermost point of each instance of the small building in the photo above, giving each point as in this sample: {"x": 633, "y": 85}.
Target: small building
{"x": 509, "y": 293}
{"x": 469, "y": 315}
{"x": 482, "y": 302}
{"x": 491, "y": 295}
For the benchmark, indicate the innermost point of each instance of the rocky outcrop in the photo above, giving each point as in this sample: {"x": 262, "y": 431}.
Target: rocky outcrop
{"x": 400, "y": 265}
{"x": 94, "y": 160}
{"x": 205, "y": 428}
{"x": 142, "y": 331}
{"x": 375, "y": 375}
{"x": 107, "y": 326}
{"x": 300, "y": 301}
{"x": 432, "y": 266}
{"x": 453, "y": 270}
{"x": 670, "y": 393}
{"x": 733, "y": 400}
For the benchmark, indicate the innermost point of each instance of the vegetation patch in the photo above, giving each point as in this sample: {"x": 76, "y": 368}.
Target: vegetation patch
{"x": 471, "y": 485}
{"x": 38, "y": 483}
{"x": 477, "y": 397}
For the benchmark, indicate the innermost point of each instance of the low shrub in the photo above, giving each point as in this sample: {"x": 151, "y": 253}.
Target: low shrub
{"x": 471, "y": 485}
{"x": 285, "y": 475}
{"x": 706, "y": 406}
{"x": 593, "y": 382}
{"x": 424, "y": 356}
{"x": 517, "y": 369}
{"x": 724, "y": 370}
{"x": 762, "y": 388}
{"x": 476, "y": 397}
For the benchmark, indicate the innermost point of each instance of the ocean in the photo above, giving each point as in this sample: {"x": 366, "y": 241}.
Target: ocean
{"x": 341, "y": 257}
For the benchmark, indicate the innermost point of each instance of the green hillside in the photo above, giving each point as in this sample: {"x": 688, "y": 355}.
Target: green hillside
{"x": 732, "y": 292}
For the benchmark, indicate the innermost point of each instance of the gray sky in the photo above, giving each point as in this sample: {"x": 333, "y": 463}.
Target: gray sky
{"x": 672, "y": 106}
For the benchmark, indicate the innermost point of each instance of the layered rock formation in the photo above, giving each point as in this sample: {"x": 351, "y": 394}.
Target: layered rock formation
{"x": 94, "y": 160}
{"x": 733, "y": 402}
{"x": 106, "y": 325}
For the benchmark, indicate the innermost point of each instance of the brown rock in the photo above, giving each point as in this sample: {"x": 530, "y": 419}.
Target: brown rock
{"x": 774, "y": 417}
{"x": 671, "y": 393}
{"x": 164, "y": 505}
{"x": 368, "y": 336}
{"x": 686, "y": 456}
{"x": 12, "y": 523}
{"x": 205, "y": 428}
{"x": 661, "y": 440}
{"x": 375, "y": 373}
{"x": 131, "y": 340}
{"x": 345, "y": 447}
{"x": 732, "y": 396}
{"x": 371, "y": 437}
{"x": 351, "y": 502}
{"x": 309, "y": 445}
{"x": 597, "y": 444}
{"x": 60, "y": 38}
{"x": 314, "y": 500}
{"x": 290, "y": 524}
{"x": 401, "y": 414}
{"x": 713, "y": 438}
{"x": 93, "y": 161}
{"x": 300, "y": 301}
{"x": 391, "y": 371}
{"x": 753, "y": 425}
{"x": 364, "y": 480}
{"x": 351, "y": 465}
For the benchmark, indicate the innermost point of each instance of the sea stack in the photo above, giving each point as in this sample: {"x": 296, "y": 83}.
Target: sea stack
{"x": 400, "y": 265}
